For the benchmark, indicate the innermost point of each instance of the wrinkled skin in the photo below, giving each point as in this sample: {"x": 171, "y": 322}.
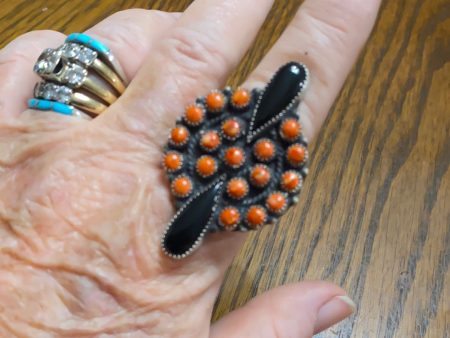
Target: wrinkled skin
{"x": 83, "y": 204}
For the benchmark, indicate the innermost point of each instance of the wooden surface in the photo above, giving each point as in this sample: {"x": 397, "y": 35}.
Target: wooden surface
{"x": 375, "y": 212}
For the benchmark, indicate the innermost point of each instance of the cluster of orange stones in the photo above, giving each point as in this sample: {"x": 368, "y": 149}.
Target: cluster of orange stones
{"x": 237, "y": 188}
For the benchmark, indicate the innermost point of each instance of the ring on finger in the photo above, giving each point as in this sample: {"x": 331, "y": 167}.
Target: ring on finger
{"x": 82, "y": 72}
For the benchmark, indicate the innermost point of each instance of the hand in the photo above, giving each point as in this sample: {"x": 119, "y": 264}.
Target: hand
{"x": 83, "y": 204}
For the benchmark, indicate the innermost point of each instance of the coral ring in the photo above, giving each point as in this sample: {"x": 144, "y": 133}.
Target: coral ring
{"x": 236, "y": 160}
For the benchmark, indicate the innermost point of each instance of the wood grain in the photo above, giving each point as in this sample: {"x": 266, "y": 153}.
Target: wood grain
{"x": 374, "y": 215}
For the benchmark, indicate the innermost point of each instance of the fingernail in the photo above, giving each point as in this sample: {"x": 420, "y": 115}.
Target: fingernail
{"x": 337, "y": 309}
{"x": 347, "y": 300}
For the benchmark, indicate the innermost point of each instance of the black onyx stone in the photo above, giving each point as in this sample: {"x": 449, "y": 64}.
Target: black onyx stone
{"x": 188, "y": 226}
{"x": 284, "y": 87}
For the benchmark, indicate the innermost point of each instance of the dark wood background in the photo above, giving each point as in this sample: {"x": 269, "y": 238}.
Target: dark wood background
{"x": 375, "y": 212}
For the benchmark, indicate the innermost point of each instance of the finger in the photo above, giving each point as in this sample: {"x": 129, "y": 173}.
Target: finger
{"x": 327, "y": 36}
{"x": 196, "y": 55}
{"x": 129, "y": 32}
{"x": 16, "y": 69}
{"x": 297, "y": 310}
{"x": 132, "y": 33}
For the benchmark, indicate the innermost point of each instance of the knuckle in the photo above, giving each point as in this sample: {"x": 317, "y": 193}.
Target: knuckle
{"x": 342, "y": 23}
{"x": 195, "y": 52}
{"x": 137, "y": 23}
{"x": 28, "y": 46}
{"x": 332, "y": 32}
{"x": 134, "y": 14}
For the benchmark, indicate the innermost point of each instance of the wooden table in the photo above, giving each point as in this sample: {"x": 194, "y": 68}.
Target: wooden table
{"x": 375, "y": 212}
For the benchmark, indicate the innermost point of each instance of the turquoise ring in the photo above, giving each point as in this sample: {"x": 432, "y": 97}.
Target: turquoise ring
{"x": 57, "y": 107}
{"x": 81, "y": 74}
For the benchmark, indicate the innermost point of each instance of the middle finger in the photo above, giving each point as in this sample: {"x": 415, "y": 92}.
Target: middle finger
{"x": 196, "y": 55}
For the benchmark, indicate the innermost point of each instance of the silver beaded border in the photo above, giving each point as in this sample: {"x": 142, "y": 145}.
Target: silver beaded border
{"x": 236, "y": 165}
{"x": 283, "y": 209}
{"x": 265, "y": 139}
{"x": 225, "y": 136}
{"x": 244, "y": 106}
{"x": 195, "y": 124}
{"x": 252, "y": 133}
{"x": 178, "y": 145}
{"x": 238, "y": 179}
{"x": 202, "y": 234}
{"x": 305, "y": 160}
{"x": 258, "y": 226}
{"x": 164, "y": 164}
{"x": 218, "y": 110}
{"x": 215, "y": 166}
{"x": 265, "y": 167}
{"x": 207, "y": 149}
{"x": 172, "y": 190}
{"x": 236, "y": 225}
{"x": 288, "y": 139}
{"x": 299, "y": 185}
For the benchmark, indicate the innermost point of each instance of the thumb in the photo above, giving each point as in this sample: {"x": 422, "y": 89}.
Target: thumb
{"x": 297, "y": 310}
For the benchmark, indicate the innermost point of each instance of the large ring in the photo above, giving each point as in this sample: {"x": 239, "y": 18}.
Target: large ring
{"x": 84, "y": 66}
{"x": 236, "y": 160}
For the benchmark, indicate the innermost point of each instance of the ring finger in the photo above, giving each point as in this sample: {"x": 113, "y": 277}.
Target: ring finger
{"x": 130, "y": 30}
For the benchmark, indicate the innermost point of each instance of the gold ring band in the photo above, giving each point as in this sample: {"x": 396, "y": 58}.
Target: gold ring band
{"x": 82, "y": 73}
{"x": 109, "y": 75}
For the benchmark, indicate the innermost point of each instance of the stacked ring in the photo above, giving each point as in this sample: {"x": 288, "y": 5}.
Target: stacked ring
{"x": 82, "y": 76}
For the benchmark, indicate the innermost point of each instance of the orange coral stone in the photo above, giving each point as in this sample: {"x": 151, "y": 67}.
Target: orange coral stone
{"x": 264, "y": 150}
{"x": 194, "y": 115}
{"x": 179, "y": 135}
{"x": 276, "y": 202}
{"x": 296, "y": 154}
{"x": 256, "y": 216}
{"x": 182, "y": 186}
{"x": 210, "y": 140}
{"x": 234, "y": 157}
{"x": 229, "y": 218}
{"x": 240, "y": 98}
{"x": 260, "y": 175}
{"x": 290, "y": 181}
{"x": 206, "y": 166}
{"x": 237, "y": 188}
{"x": 173, "y": 161}
{"x": 215, "y": 101}
{"x": 231, "y": 129}
{"x": 290, "y": 129}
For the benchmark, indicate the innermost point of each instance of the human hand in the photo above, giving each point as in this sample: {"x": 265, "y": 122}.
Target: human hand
{"x": 83, "y": 204}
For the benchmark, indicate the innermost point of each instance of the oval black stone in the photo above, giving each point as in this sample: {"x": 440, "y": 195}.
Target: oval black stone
{"x": 284, "y": 87}
{"x": 188, "y": 226}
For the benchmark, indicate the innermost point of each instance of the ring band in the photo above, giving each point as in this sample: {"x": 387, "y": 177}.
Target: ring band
{"x": 89, "y": 58}
{"x": 236, "y": 160}
{"x": 66, "y": 95}
{"x": 53, "y": 66}
{"x": 57, "y": 107}
{"x": 82, "y": 73}
{"x": 103, "y": 50}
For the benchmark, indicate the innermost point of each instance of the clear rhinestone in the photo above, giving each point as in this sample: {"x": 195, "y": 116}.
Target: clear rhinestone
{"x": 45, "y": 91}
{"x": 87, "y": 56}
{"x": 47, "y": 61}
{"x": 40, "y": 66}
{"x": 63, "y": 94}
{"x": 49, "y": 91}
{"x": 38, "y": 89}
{"x": 75, "y": 75}
{"x": 70, "y": 50}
